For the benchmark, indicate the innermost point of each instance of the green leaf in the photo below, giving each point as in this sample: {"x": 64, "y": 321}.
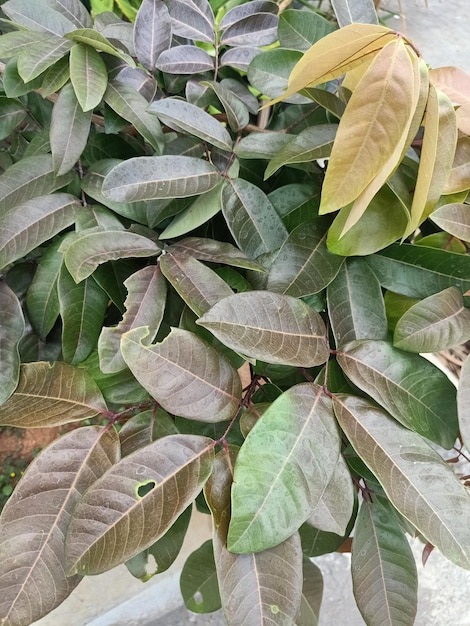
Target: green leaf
{"x": 95, "y": 40}
{"x": 70, "y": 128}
{"x": 412, "y": 390}
{"x": 237, "y": 112}
{"x": 88, "y": 75}
{"x": 312, "y": 591}
{"x": 90, "y": 248}
{"x": 419, "y": 272}
{"x": 82, "y": 309}
{"x": 454, "y": 219}
{"x": 463, "y": 402}
{"x": 11, "y": 333}
{"x": 145, "y": 305}
{"x": 270, "y": 327}
{"x": 262, "y": 145}
{"x": 35, "y": 60}
{"x": 310, "y": 144}
{"x": 147, "y": 178}
{"x": 436, "y": 323}
{"x": 107, "y": 527}
{"x": 26, "y": 226}
{"x": 55, "y": 78}
{"x": 299, "y": 30}
{"x": 251, "y": 218}
{"x": 35, "y": 520}
{"x": 51, "y": 395}
{"x": 199, "y": 212}
{"x": 184, "y": 374}
{"x": 12, "y": 44}
{"x": 215, "y": 252}
{"x": 189, "y": 118}
{"x": 198, "y": 581}
{"x": 13, "y": 85}
{"x": 303, "y": 265}
{"x": 336, "y": 504}
{"x": 165, "y": 550}
{"x": 349, "y": 11}
{"x": 132, "y": 106}
{"x": 270, "y": 71}
{"x": 42, "y": 300}
{"x": 37, "y": 16}
{"x": 197, "y": 284}
{"x": 355, "y": 304}
{"x": 12, "y": 113}
{"x": 152, "y": 32}
{"x": 28, "y": 179}
{"x": 185, "y": 60}
{"x": 385, "y": 580}
{"x": 294, "y": 469}
{"x": 419, "y": 484}
{"x": 255, "y": 588}
{"x": 192, "y": 19}
{"x": 73, "y": 10}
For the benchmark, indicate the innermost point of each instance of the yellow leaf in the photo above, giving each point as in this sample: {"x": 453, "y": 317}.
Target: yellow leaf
{"x": 437, "y": 153}
{"x": 459, "y": 178}
{"x": 333, "y": 55}
{"x": 419, "y": 96}
{"x": 455, "y": 83}
{"x": 372, "y": 128}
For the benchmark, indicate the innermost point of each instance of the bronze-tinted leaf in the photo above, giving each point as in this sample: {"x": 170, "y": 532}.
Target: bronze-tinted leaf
{"x": 270, "y": 327}
{"x": 51, "y": 395}
{"x": 135, "y": 502}
{"x": 33, "y": 524}
{"x": 187, "y": 376}
{"x": 416, "y": 480}
{"x": 11, "y": 332}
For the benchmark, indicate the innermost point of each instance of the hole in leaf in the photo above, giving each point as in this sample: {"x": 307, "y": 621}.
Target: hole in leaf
{"x": 198, "y": 599}
{"x": 144, "y": 488}
{"x": 274, "y": 609}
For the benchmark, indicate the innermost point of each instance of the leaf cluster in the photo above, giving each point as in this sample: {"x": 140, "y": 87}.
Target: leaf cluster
{"x": 195, "y": 194}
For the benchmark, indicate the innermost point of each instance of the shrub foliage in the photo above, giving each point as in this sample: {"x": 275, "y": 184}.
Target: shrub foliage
{"x": 161, "y": 233}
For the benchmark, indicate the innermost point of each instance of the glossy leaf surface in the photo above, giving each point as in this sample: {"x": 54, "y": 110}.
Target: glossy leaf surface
{"x": 11, "y": 333}
{"x": 304, "y": 265}
{"x": 381, "y": 553}
{"x": 37, "y": 517}
{"x": 454, "y": 219}
{"x": 415, "y": 478}
{"x": 271, "y": 327}
{"x": 107, "y": 526}
{"x": 355, "y": 304}
{"x": 145, "y": 304}
{"x": 436, "y": 323}
{"x": 255, "y": 588}
{"x": 198, "y": 285}
{"x": 184, "y": 374}
{"x": 51, "y": 395}
{"x": 350, "y": 11}
{"x": 198, "y": 581}
{"x": 419, "y": 272}
{"x": 70, "y": 127}
{"x": 152, "y": 32}
{"x": 88, "y": 75}
{"x": 28, "y": 225}
{"x": 146, "y": 178}
{"x": 90, "y": 249}
{"x": 253, "y": 221}
{"x": 294, "y": 469}
{"x": 412, "y": 390}
{"x": 193, "y": 120}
